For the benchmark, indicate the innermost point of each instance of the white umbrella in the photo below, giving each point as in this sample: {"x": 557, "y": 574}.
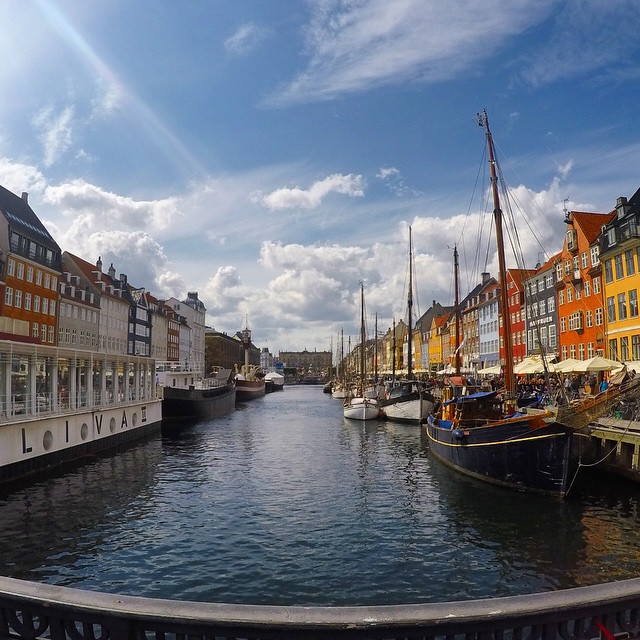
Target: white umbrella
{"x": 567, "y": 366}
{"x": 490, "y": 370}
{"x": 533, "y": 364}
{"x": 597, "y": 363}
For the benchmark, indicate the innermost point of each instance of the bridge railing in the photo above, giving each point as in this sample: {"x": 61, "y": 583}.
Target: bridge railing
{"x": 32, "y": 611}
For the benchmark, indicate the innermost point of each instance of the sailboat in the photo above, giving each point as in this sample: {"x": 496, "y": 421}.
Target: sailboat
{"x": 339, "y": 389}
{"x": 483, "y": 434}
{"x": 361, "y": 407}
{"x": 408, "y": 401}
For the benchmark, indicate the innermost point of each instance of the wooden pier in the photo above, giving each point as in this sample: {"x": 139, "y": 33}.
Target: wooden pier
{"x": 615, "y": 446}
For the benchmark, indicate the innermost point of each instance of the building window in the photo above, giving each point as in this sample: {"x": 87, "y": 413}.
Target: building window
{"x": 563, "y": 324}
{"x": 11, "y": 267}
{"x": 39, "y": 277}
{"x": 633, "y": 303}
{"x": 27, "y": 301}
{"x": 581, "y": 351}
{"x": 36, "y": 304}
{"x": 608, "y": 271}
{"x": 43, "y": 332}
{"x": 599, "y": 317}
{"x": 18, "y": 299}
{"x": 572, "y": 351}
{"x": 587, "y": 288}
{"x": 29, "y": 274}
{"x": 569, "y": 294}
{"x": 624, "y": 348}
{"x": 584, "y": 260}
{"x": 551, "y": 305}
{"x": 589, "y": 318}
{"x": 34, "y": 329}
{"x": 629, "y": 264}
{"x": 613, "y": 349}
{"x": 8, "y": 296}
{"x": 619, "y": 267}
{"x": 47, "y": 280}
{"x": 51, "y": 334}
{"x": 567, "y": 267}
{"x": 611, "y": 309}
{"x": 622, "y": 306}
{"x": 45, "y": 305}
{"x": 52, "y": 308}
{"x": 635, "y": 346}
{"x": 595, "y": 256}
{"x": 553, "y": 338}
{"x": 596, "y": 285}
{"x": 590, "y": 350}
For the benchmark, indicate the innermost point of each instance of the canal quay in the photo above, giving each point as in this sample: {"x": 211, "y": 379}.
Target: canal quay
{"x": 284, "y": 502}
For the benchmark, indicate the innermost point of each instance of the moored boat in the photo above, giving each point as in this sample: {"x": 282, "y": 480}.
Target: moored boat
{"x": 409, "y": 401}
{"x": 54, "y": 413}
{"x": 481, "y": 433}
{"x": 250, "y": 383}
{"x": 276, "y": 379}
{"x": 359, "y": 406}
{"x": 186, "y": 395}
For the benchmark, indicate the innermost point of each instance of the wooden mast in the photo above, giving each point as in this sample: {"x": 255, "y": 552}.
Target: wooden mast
{"x": 410, "y": 312}
{"x": 509, "y": 377}
{"x": 456, "y": 309}
{"x": 362, "y": 338}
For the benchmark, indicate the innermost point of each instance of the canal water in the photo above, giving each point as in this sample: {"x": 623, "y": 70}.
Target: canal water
{"x": 286, "y": 502}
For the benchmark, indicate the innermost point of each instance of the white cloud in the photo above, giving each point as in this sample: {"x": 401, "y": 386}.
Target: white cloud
{"x": 55, "y": 132}
{"x": 18, "y": 177}
{"x": 311, "y": 198}
{"x": 246, "y": 38}
{"x": 357, "y": 46}
{"x": 95, "y": 205}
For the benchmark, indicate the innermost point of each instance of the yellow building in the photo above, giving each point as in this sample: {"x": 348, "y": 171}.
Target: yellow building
{"x": 620, "y": 260}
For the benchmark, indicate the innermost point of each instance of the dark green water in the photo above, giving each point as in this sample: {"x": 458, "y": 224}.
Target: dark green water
{"x": 285, "y": 502}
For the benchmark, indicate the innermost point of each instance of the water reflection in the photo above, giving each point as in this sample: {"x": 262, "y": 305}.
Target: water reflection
{"x": 285, "y": 502}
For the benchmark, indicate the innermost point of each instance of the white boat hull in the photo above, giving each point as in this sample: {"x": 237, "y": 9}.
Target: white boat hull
{"x": 362, "y": 409}
{"x": 415, "y": 410}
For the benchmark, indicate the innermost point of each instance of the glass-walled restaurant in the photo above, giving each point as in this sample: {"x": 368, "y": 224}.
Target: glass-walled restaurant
{"x": 36, "y": 380}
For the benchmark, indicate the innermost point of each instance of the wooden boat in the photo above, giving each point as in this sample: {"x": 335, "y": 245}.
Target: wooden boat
{"x": 186, "y": 395}
{"x": 359, "y": 406}
{"x": 409, "y": 400}
{"x": 484, "y": 435}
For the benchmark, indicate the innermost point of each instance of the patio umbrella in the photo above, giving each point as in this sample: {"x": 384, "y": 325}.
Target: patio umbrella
{"x": 567, "y": 366}
{"x": 597, "y": 363}
{"x": 490, "y": 370}
{"x": 532, "y": 364}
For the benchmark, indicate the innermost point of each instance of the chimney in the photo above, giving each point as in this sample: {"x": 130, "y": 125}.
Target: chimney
{"x": 123, "y": 278}
{"x": 485, "y": 277}
{"x": 25, "y": 196}
{"x": 112, "y": 272}
{"x": 99, "y": 264}
{"x": 434, "y": 303}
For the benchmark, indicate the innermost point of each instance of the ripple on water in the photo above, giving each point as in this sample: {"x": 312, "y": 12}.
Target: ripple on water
{"x": 285, "y": 502}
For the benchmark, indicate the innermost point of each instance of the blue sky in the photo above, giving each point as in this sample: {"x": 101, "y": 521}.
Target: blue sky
{"x": 271, "y": 154}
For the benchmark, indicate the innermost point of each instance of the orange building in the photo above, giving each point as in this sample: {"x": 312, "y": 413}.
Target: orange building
{"x": 579, "y": 287}
{"x": 32, "y": 271}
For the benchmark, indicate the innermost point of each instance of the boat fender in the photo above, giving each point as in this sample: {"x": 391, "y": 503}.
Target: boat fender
{"x": 458, "y": 434}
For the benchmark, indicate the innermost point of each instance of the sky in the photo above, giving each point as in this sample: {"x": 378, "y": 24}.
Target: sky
{"x": 272, "y": 154}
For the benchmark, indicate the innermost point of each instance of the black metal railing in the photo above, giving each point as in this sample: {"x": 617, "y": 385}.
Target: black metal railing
{"x": 31, "y": 611}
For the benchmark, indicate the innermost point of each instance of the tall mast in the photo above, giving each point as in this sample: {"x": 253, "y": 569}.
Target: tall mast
{"x": 393, "y": 352}
{"x": 456, "y": 310}
{"x": 410, "y": 311}
{"x": 362, "y": 336}
{"x": 375, "y": 356}
{"x": 509, "y": 377}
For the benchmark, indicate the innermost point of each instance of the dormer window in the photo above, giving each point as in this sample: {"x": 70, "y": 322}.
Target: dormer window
{"x": 611, "y": 236}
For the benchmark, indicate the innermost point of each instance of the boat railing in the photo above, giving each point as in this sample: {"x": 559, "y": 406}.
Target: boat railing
{"x": 34, "y": 611}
